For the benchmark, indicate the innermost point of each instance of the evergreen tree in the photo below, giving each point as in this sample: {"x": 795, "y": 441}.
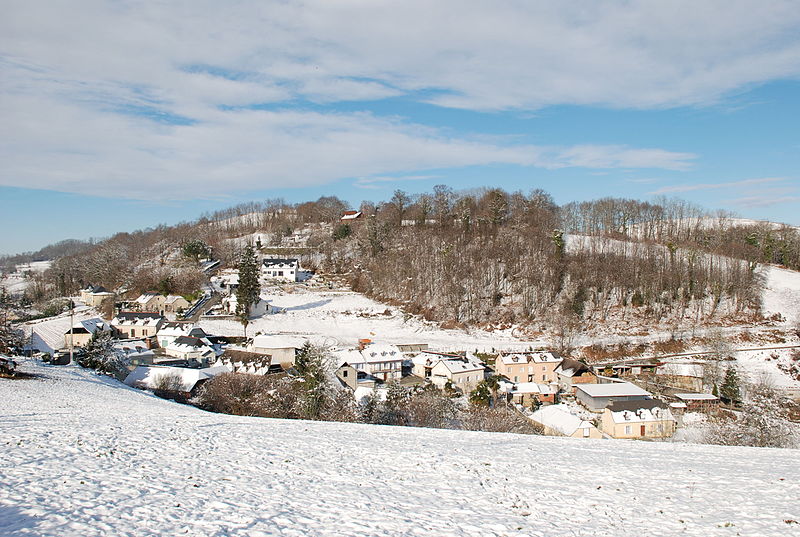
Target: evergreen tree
{"x": 729, "y": 391}
{"x": 249, "y": 290}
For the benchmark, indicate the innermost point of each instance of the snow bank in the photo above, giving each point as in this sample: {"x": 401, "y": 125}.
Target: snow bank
{"x": 86, "y": 456}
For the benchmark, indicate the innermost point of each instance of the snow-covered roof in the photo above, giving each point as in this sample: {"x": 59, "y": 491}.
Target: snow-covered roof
{"x": 278, "y": 342}
{"x": 696, "y": 397}
{"x": 528, "y": 357}
{"x": 614, "y": 389}
{"x": 351, "y": 215}
{"x": 680, "y": 369}
{"x": 639, "y": 411}
{"x": 280, "y": 263}
{"x": 47, "y": 335}
{"x": 147, "y": 376}
{"x": 175, "y": 329}
{"x": 172, "y": 298}
{"x": 136, "y": 318}
{"x": 89, "y": 326}
{"x": 461, "y": 366}
{"x": 559, "y": 418}
{"x": 527, "y": 387}
{"x": 371, "y": 354}
{"x": 144, "y": 298}
{"x": 188, "y": 344}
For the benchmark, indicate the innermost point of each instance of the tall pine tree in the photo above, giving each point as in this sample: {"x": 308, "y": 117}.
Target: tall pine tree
{"x": 249, "y": 290}
{"x": 729, "y": 391}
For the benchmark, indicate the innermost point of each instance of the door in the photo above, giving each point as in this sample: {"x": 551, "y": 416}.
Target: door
{"x": 642, "y": 434}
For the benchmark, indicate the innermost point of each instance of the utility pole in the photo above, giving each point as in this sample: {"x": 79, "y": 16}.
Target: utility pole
{"x": 71, "y": 331}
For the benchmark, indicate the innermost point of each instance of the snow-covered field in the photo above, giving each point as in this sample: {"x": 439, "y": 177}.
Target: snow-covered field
{"x": 343, "y": 317}
{"x": 86, "y": 456}
{"x": 782, "y": 293}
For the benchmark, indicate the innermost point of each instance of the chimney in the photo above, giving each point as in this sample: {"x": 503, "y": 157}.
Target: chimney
{"x": 362, "y": 343}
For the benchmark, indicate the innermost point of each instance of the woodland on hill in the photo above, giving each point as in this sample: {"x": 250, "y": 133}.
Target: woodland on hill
{"x": 474, "y": 257}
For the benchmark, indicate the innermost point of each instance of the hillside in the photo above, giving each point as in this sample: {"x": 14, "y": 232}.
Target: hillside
{"x": 84, "y": 455}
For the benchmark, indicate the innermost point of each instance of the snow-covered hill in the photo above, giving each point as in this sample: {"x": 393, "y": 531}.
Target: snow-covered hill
{"x": 83, "y": 455}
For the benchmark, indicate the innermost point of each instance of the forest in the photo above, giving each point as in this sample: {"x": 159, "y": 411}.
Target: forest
{"x": 476, "y": 257}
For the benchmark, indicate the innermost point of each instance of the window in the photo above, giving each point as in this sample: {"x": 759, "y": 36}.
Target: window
{"x": 544, "y": 377}
{"x": 586, "y": 432}
{"x": 344, "y": 373}
{"x": 627, "y": 429}
{"x": 660, "y": 427}
{"x": 133, "y": 332}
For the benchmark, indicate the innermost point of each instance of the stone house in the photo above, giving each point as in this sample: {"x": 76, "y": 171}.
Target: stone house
{"x": 528, "y": 367}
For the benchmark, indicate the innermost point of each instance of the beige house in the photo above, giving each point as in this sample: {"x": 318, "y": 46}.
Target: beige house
{"x": 174, "y": 304}
{"x": 638, "y": 419}
{"x": 528, "y": 367}
{"x": 283, "y": 349}
{"x": 94, "y": 295}
{"x": 82, "y": 331}
{"x": 137, "y": 324}
{"x": 464, "y": 373}
{"x": 557, "y": 420}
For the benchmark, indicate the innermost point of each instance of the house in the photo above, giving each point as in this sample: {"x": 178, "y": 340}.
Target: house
{"x": 175, "y": 304}
{"x": 258, "y": 309}
{"x": 192, "y": 349}
{"x": 244, "y": 361}
{"x": 638, "y": 419}
{"x": 682, "y": 375}
{"x": 283, "y": 349}
{"x": 183, "y": 380}
{"x": 634, "y": 368}
{"x": 422, "y": 363}
{"x": 353, "y": 378}
{"x": 282, "y": 269}
{"x": 47, "y": 335}
{"x": 525, "y": 393}
{"x": 170, "y": 330}
{"x": 528, "y": 367}
{"x": 228, "y": 279}
{"x": 571, "y": 372}
{"x": 150, "y": 302}
{"x": 137, "y": 324}
{"x": 596, "y": 397}
{"x": 464, "y": 373}
{"x": 699, "y": 402}
{"x": 82, "y": 331}
{"x": 412, "y": 347}
{"x": 349, "y": 217}
{"x": 557, "y": 420}
{"x": 382, "y": 362}
{"x": 94, "y": 295}
{"x": 134, "y": 351}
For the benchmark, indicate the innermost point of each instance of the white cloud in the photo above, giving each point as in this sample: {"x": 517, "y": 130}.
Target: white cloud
{"x": 91, "y": 91}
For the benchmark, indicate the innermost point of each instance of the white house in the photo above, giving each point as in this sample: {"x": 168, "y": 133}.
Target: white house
{"x": 191, "y": 348}
{"x": 464, "y": 373}
{"x": 281, "y": 269}
{"x": 171, "y": 330}
{"x": 230, "y": 302}
{"x": 383, "y": 362}
{"x": 423, "y": 363}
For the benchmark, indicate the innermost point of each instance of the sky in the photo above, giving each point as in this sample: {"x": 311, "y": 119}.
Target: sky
{"x": 119, "y": 115}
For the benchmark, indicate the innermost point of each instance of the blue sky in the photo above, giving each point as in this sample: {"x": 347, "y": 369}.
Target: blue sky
{"x": 115, "y": 117}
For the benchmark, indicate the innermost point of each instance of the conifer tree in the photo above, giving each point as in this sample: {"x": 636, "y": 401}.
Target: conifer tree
{"x": 249, "y": 290}
{"x": 729, "y": 391}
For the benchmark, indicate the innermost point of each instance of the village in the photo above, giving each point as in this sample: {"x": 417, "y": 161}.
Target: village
{"x": 166, "y": 346}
